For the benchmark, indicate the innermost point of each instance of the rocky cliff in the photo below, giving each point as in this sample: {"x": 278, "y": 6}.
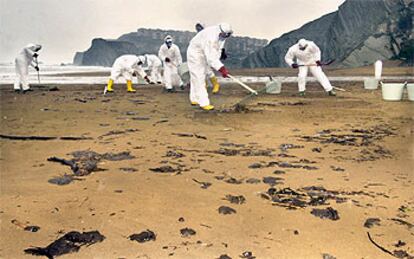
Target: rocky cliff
{"x": 359, "y": 33}
{"x": 103, "y": 52}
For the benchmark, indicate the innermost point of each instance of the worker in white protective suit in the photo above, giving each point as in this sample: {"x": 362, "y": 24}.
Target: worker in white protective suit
{"x": 27, "y": 57}
{"x": 308, "y": 57}
{"x": 154, "y": 65}
{"x": 210, "y": 75}
{"x": 170, "y": 55}
{"x": 203, "y": 53}
{"x": 127, "y": 66}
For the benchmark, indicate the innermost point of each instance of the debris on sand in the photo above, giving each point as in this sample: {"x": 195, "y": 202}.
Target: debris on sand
{"x": 143, "y": 237}
{"x": 128, "y": 169}
{"x": 63, "y": 180}
{"x": 400, "y": 243}
{"x": 29, "y": 228}
{"x": 299, "y": 103}
{"x": 229, "y": 179}
{"x": 186, "y": 232}
{"x": 140, "y": 118}
{"x": 397, "y": 253}
{"x": 203, "y": 185}
{"x": 117, "y": 156}
{"x": 282, "y": 164}
{"x": 317, "y": 149}
{"x": 403, "y": 222}
{"x": 174, "y": 154}
{"x": 164, "y": 169}
{"x": 238, "y": 108}
{"x": 328, "y": 256}
{"x": 43, "y": 138}
{"x": 226, "y": 210}
{"x": 284, "y": 147}
{"x": 189, "y": 135}
{"x": 272, "y": 181}
{"x": 337, "y": 169}
{"x": 85, "y": 162}
{"x": 328, "y": 213}
{"x": 247, "y": 255}
{"x": 118, "y": 132}
{"x": 244, "y": 152}
{"x": 370, "y": 222}
{"x": 69, "y": 243}
{"x": 253, "y": 181}
{"x": 367, "y": 139}
{"x": 304, "y": 197}
{"x": 235, "y": 199}
{"x": 224, "y": 256}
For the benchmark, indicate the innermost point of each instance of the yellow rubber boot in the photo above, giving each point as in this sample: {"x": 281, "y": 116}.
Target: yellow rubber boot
{"x": 129, "y": 87}
{"x": 207, "y": 107}
{"x": 216, "y": 85}
{"x": 194, "y": 103}
{"x": 110, "y": 84}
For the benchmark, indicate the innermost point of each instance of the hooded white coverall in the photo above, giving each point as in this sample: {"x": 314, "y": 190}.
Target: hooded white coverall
{"x": 203, "y": 53}
{"x": 154, "y": 64}
{"x": 22, "y": 63}
{"x": 171, "y": 76}
{"x": 124, "y": 66}
{"x": 307, "y": 57}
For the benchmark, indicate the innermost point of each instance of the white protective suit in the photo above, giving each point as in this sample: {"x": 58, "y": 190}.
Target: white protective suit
{"x": 203, "y": 53}
{"x": 154, "y": 64}
{"x": 22, "y": 63}
{"x": 307, "y": 57}
{"x": 124, "y": 66}
{"x": 171, "y": 76}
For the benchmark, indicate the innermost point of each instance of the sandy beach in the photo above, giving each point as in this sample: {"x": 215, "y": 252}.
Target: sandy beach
{"x": 275, "y": 166}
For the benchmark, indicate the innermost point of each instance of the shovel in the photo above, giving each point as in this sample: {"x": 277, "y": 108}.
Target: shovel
{"x": 322, "y": 64}
{"x": 243, "y": 84}
{"x": 38, "y": 73}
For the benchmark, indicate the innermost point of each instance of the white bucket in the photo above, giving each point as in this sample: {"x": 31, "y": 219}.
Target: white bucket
{"x": 378, "y": 69}
{"x": 371, "y": 83}
{"x": 184, "y": 73}
{"x": 274, "y": 87}
{"x": 392, "y": 92}
{"x": 410, "y": 90}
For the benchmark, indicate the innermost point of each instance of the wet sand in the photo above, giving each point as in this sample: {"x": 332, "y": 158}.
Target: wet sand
{"x": 356, "y": 146}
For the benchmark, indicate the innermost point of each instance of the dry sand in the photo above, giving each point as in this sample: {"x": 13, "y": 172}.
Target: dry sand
{"x": 376, "y": 180}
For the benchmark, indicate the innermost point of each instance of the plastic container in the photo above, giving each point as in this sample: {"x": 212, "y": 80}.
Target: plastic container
{"x": 392, "y": 91}
{"x": 371, "y": 83}
{"x": 378, "y": 69}
{"x": 184, "y": 73}
{"x": 274, "y": 87}
{"x": 410, "y": 90}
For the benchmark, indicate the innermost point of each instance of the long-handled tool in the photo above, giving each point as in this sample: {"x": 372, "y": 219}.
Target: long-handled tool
{"x": 315, "y": 65}
{"x": 37, "y": 65}
{"x": 339, "y": 89}
{"x": 243, "y": 84}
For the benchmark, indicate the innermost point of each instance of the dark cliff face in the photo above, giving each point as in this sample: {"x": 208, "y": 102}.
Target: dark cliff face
{"x": 148, "y": 41}
{"x": 359, "y": 33}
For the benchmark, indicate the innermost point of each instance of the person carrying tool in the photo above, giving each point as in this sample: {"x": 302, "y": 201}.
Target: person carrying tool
{"x": 308, "y": 57}
{"x": 126, "y": 66}
{"x": 27, "y": 57}
{"x": 210, "y": 75}
{"x": 170, "y": 55}
{"x": 153, "y": 64}
{"x": 203, "y": 53}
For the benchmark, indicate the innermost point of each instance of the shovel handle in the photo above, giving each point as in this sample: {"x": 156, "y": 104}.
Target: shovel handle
{"x": 339, "y": 89}
{"x": 243, "y": 84}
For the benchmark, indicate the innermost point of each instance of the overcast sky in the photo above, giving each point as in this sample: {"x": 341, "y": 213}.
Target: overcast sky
{"x": 66, "y": 26}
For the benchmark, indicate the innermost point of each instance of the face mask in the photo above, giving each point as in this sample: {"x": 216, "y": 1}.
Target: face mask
{"x": 223, "y": 36}
{"x": 169, "y": 44}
